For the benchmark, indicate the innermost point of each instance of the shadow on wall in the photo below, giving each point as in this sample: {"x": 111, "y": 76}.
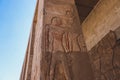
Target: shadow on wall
{"x": 84, "y": 7}
{"x": 105, "y": 57}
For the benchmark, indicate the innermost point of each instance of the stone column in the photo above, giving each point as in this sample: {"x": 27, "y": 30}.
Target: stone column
{"x": 64, "y": 55}
{"x": 58, "y": 49}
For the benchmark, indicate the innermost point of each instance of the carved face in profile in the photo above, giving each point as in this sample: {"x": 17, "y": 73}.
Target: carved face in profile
{"x": 56, "y": 21}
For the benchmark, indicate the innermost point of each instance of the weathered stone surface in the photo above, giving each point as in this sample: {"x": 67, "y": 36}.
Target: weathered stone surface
{"x": 104, "y": 17}
{"x": 105, "y": 58}
{"x": 57, "y": 50}
{"x": 63, "y": 44}
{"x": 117, "y": 32}
{"x": 31, "y": 66}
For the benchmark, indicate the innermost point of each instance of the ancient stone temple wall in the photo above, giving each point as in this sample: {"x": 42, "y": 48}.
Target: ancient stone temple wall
{"x": 57, "y": 48}
{"x": 105, "y": 58}
{"x": 62, "y": 48}
{"x": 104, "y": 17}
{"x": 63, "y": 45}
{"x": 102, "y": 37}
{"x": 31, "y": 66}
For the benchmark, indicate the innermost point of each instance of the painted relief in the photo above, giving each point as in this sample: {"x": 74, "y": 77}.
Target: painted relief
{"x": 104, "y": 58}
{"x": 63, "y": 46}
{"x": 60, "y": 44}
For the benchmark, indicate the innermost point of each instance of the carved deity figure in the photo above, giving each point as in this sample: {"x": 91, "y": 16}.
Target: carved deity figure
{"x": 60, "y": 42}
{"x": 105, "y": 58}
{"x": 55, "y": 34}
{"x": 60, "y": 35}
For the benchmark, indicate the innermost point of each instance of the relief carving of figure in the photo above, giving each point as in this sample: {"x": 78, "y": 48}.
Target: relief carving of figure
{"x": 105, "y": 58}
{"x": 55, "y": 34}
{"x": 60, "y": 42}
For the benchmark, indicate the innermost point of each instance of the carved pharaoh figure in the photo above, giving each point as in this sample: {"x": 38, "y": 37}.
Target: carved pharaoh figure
{"x": 61, "y": 42}
{"x": 55, "y": 34}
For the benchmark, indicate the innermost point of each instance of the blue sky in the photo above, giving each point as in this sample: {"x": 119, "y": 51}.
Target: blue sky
{"x": 15, "y": 23}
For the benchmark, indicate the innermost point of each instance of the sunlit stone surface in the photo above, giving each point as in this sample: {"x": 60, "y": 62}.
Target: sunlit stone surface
{"x": 74, "y": 40}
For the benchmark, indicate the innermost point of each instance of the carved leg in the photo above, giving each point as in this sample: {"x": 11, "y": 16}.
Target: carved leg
{"x": 52, "y": 67}
{"x": 66, "y": 68}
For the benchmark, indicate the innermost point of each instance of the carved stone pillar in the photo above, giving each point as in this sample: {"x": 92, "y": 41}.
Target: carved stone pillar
{"x": 59, "y": 51}
{"x": 64, "y": 55}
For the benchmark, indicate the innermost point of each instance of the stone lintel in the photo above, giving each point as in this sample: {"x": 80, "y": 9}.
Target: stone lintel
{"x": 104, "y": 17}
